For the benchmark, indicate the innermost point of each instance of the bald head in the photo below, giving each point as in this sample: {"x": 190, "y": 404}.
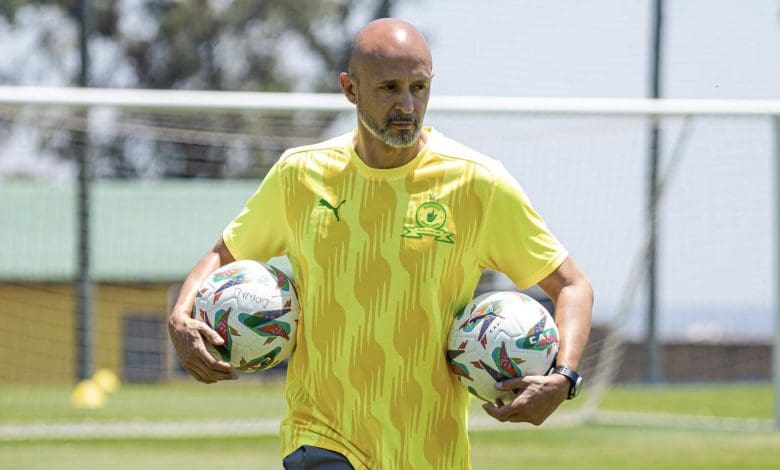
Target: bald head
{"x": 388, "y": 80}
{"x": 386, "y": 39}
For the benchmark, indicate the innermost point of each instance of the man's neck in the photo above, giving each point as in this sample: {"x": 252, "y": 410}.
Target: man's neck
{"x": 377, "y": 154}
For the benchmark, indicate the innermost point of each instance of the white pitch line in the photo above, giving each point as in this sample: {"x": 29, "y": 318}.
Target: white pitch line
{"x": 137, "y": 429}
{"x": 146, "y": 429}
{"x": 180, "y": 429}
{"x": 662, "y": 420}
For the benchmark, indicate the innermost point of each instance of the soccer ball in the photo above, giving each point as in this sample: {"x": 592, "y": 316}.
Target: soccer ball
{"x": 498, "y": 336}
{"x": 253, "y": 306}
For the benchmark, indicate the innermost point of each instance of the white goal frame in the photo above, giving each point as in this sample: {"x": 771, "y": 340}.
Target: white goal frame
{"x": 188, "y": 101}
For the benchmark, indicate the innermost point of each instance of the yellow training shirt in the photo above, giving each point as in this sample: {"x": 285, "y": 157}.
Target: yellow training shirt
{"x": 382, "y": 260}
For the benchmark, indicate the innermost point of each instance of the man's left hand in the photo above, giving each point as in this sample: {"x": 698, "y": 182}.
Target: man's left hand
{"x": 537, "y": 398}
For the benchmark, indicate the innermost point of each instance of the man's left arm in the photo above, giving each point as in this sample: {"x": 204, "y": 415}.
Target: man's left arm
{"x": 539, "y": 396}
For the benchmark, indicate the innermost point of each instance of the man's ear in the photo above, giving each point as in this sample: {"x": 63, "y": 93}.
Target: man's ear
{"x": 348, "y": 85}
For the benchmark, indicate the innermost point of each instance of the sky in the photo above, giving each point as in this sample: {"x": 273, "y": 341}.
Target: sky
{"x": 587, "y": 176}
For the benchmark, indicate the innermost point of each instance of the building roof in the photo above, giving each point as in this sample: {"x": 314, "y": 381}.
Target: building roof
{"x": 140, "y": 230}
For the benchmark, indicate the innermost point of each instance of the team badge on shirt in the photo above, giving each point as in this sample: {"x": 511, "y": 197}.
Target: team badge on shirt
{"x": 430, "y": 219}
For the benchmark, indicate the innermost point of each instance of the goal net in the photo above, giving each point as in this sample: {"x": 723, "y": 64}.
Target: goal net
{"x": 167, "y": 170}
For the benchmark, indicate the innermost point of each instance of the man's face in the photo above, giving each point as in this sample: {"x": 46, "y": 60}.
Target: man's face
{"x": 392, "y": 97}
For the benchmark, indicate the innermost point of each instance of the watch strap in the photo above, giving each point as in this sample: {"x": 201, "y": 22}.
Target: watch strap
{"x": 573, "y": 377}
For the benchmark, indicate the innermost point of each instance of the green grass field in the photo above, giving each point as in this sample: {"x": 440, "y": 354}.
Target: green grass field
{"x": 511, "y": 446}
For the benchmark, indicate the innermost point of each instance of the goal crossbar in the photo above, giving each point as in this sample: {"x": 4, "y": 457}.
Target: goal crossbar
{"x": 189, "y": 100}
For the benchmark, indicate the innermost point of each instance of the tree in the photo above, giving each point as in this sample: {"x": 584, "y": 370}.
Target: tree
{"x": 291, "y": 45}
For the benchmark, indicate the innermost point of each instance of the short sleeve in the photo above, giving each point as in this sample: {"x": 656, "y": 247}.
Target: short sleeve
{"x": 259, "y": 231}
{"x": 516, "y": 240}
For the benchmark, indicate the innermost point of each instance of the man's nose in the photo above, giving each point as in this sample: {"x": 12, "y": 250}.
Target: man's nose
{"x": 406, "y": 102}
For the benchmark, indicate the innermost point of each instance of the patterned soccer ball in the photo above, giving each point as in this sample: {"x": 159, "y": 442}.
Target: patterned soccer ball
{"x": 498, "y": 336}
{"x": 254, "y": 307}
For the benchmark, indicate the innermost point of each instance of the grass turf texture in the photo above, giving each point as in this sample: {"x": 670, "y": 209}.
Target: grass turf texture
{"x": 174, "y": 401}
{"x": 250, "y": 399}
{"x": 752, "y": 400}
{"x": 591, "y": 446}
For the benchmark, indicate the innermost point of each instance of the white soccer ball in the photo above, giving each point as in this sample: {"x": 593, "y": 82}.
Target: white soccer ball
{"x": 253, "y": 306}
{"x": 498, "y": 336}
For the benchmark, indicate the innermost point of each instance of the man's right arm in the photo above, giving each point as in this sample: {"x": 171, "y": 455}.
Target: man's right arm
{"x": 188, "y": 334}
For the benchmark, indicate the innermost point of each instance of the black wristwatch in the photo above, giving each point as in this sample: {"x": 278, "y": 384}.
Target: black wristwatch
{"x": 574, "y": 379}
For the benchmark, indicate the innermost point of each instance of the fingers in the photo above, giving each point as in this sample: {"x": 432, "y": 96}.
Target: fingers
{"x": 209, "y": 376}
{"x": 203, "y": 372}
{"x": 497, "y": 410}
{"x": 507, "y": 413}
{"x": 210, "y": 335}
{"x": 215, "y": 368}
{"x": 517, "y": 414}
{"x": 189, "y": 338}
{"x": 534, "y": 402}
{"x": 202, "y": 365}
{"x": 517, "y": 385}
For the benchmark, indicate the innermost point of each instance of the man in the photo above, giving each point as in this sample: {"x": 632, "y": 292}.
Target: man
{"x": 388, "y": 229}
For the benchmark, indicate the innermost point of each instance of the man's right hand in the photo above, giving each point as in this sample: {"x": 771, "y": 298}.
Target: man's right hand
{"x": 189, "y": 337}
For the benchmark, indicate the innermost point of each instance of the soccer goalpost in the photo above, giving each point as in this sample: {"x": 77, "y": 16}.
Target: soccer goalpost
{"x": 582, "y": 161}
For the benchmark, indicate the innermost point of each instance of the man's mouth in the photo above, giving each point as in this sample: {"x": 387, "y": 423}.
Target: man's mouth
{"x": 403, "y": 123}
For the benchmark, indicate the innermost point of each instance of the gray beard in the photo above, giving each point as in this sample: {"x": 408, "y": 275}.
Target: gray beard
{"x": 404, "y": 140}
